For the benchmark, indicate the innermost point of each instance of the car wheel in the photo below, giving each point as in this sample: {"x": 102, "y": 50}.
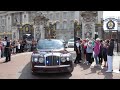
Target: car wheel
{"x": 33, "y": 72}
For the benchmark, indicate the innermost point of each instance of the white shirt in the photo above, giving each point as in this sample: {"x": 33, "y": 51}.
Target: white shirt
{"x": 4, "y": 43}
{"x": 77, "y": 44}
{"x": 18, "y": 46}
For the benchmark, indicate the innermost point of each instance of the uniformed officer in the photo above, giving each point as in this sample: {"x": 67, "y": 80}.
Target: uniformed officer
{"x": 7, "y": 50}
{"x": 78, "y": 51}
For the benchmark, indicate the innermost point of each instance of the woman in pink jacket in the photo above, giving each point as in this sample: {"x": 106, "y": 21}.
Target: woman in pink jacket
{"x": 97, "y": 50}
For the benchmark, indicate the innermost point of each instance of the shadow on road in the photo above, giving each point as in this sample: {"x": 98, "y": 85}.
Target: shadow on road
{"x": 106, "y": 75}
{"x": 100, "y": 71}
{"x": 26, "y": 74}
{"x": 84, "y": 66}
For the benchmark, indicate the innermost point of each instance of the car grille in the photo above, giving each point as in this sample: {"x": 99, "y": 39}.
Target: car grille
{"x": 52, "y": 60}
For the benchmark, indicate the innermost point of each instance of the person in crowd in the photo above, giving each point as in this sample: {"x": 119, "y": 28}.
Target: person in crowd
{"x": 13, "y": 47}
{"x": 21, "y": 46}
{"x": 105, "y": 44}
{"x": 93, "y": 42}
{"x": 1, "y": 47}
{"x": 78, "y": 51}
{"x": 97, "y": 51}
{"x": 84, "y": 48}
{"x": 33, "y": 45}
{"x": 18, "y": 47}
{"x": 7, "y": 50}
{"x": 89, "y": 52}
{"x": 100, "y": 55}
{"x": 110, "y": 49}
{"x": 2, "y": 51}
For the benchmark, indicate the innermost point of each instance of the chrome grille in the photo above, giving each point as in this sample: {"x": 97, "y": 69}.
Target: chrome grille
{"x": 52, "y": 60}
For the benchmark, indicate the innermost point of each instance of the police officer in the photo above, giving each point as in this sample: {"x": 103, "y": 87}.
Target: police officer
{"x": 7, "y": 50}
{"x": 78, "y": 51}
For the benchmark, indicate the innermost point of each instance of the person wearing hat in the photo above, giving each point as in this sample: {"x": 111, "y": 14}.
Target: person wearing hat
{"x": 7, "y": 50}
{"x": 78, "y": 51}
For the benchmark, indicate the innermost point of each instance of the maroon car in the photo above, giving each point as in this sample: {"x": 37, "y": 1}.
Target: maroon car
{"x": 51, "y": 56}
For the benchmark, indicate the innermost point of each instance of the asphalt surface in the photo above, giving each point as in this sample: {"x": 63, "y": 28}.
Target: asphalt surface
{"x": 19, "y": 68}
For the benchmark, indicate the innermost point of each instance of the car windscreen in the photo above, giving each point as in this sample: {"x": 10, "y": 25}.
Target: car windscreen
{"x": 50, "y": 44}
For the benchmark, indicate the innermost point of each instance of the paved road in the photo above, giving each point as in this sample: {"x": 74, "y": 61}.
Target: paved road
{"x": 19, "y": 68}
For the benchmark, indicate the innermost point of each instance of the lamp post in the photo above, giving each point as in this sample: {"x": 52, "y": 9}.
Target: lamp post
{"x": 54, "y": 30}
{"x": 19, "y": 30}
{"x": 77, "y": 28}
{"x": 75, "y": 24}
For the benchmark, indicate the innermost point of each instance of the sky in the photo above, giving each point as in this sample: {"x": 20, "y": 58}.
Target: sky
{"x": 111, "y": 14}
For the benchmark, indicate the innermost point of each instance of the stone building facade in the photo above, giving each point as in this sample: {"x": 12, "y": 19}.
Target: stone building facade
{"x": 12, "y": 21}
{"x": 64, "y": 23}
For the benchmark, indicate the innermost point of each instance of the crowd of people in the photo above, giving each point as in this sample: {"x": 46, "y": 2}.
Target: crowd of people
{"x": 87, "y": 50}
{"x": 97, "y": 50}
{"x": 8, "y": 47}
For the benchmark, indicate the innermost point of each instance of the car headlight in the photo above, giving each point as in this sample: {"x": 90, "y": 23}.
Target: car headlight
{"x": 35, "y": 59}
{"x": 67, "y": 58}
{"x": 63, "y": 59}
{"x": 41, "y": 60}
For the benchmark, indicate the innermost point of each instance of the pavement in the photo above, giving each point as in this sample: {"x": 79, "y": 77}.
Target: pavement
{"x": 19, "y": 68}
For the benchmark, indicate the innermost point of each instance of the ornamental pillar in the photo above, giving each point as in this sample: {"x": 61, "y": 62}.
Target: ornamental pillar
{"x": 88, "y": 24}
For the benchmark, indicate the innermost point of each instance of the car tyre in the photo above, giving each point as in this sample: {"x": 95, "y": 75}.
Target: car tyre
{"x": 33, "y": 72}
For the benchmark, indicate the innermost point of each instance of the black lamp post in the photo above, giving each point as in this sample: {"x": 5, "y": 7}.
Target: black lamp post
{"x": 77, "y": 28}
{"x": 54, "y": 30}
{"x": 19, "y": 28}
{"x": 75, "y": 32}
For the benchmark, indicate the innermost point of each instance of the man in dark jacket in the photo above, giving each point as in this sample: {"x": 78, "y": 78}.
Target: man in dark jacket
{"x": 78, "y": 51}
{"x": 7, "y": 50}
{"x": 110, "y": 49}
{"x": 100, "y": 56}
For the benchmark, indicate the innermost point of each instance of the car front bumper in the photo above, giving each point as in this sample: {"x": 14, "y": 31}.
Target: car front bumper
{"x": 51, "y": 69}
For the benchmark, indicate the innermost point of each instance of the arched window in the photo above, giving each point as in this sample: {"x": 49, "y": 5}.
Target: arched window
{"x": 58, "y": 25}
{"x": 51, "y": 17}
{"x": 64, "y": 25}
{"x": 72, "y": 24}
{"x": 64, "y": 15}
{"x": 57, "y": 16}
{"x": 72, "y": 14}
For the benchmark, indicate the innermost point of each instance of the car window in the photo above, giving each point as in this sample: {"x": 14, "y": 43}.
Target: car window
{"x": 50, "y": 44}
{"x": 71, "y": 40}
